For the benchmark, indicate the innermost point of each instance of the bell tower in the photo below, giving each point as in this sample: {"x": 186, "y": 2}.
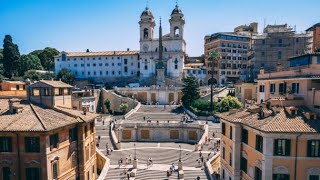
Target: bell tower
{"x": 177, "y": 23}
{"x": 147, "y": 25}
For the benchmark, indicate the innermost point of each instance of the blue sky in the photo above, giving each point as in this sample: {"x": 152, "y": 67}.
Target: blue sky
{"x": 103, "y": 25}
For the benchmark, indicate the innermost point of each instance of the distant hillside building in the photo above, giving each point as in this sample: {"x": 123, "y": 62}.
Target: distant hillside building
{"x": 276, "y": 45}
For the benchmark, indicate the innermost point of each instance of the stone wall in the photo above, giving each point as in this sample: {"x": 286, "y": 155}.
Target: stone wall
{"x": 160, "y": 132}
{"x": 116, "y": 100}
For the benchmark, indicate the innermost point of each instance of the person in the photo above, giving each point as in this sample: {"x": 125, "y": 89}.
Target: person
{"x": 200, "y": 154}
{"x": 130, "y": 158}
{"x": 103, "y": 122}
{"x": 198, "y": 178}
{"x": 99, "y": 137}
{"x": 128, "y": 176}
{"x": 172, "y": 166}
{"x": 151, "y": 161}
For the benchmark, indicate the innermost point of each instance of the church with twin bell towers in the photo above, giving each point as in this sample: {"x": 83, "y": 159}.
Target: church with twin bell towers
{"x": 162, "y": 57}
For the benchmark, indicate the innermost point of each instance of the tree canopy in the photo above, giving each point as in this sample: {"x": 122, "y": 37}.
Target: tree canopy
{"x": 11, "y": 57}
{"x": 227, "y": 103}
{"x": 190, "y": 90}
{"x": 66, "y": 76}
{"x": 29, "y": 62}
{"x": 123, "y": 107}
{"x": 36, "y": 76}
{"x": 46, "y": 57}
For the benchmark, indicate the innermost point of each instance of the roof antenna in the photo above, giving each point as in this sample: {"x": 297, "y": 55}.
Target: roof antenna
{"x": 176, "y": 3}
{"x": 147, "y": 5}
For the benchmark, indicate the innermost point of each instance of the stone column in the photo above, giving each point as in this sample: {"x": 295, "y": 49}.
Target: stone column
{"x": 180, "y": 165}
{"x": 135, "y": 163}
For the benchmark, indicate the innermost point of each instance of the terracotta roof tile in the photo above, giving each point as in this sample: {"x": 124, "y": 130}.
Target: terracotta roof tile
{"x": 58, "y": 84}
{"x": 37, "y": 118}
{"x": 103, "y": 53}
{"x": 282, "y": 121}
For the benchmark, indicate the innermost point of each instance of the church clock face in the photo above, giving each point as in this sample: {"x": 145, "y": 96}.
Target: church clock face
{"x": 145, "y": 47}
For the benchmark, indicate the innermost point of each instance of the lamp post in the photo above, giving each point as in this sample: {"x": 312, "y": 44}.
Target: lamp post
{"x": 135, "y": 152}
{"x": 180, "y": 153}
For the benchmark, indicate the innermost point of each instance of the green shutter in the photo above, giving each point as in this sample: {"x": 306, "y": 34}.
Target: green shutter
{"x": 288, "y": 147}
{"x": 275, "y": 147}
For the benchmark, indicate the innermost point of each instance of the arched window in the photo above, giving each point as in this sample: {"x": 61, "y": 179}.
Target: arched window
{"x": 63, "y": 57}
{"x": 176, "y": 32}
{"x": 145, "y": 33}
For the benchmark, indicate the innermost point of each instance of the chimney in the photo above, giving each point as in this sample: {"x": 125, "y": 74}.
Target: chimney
{"x": 279, "y": 67}
{"x": 14, "y": 107}
{"x": 261, "y": 113}
{"x": 128, "y": 49}
{"x": 114, "y": 52}
{"x": 261, "y": 70}
{"x": 254, "y": 27}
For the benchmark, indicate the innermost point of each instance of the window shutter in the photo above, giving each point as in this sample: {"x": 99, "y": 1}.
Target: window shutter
{"x": 10, "y": 144}
{"x": 309, "y": 148}
{"x": 288, "y": 147}
{"x": 275, "y": 152}
{"x": 297, "y": 88}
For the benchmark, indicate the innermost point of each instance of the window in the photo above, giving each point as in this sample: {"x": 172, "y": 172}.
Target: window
{"x": 112, "y": 64}
{"x": 73, "y": 134}
{"x": 282, "y": 88}
{"x": 5, "y": 144}
{"x": 125, "y": 61}
{"x": 223, "y": 174}
{"x": 223, "y": 153}
{"x": 261, "y": 88}
{"x": 230, "y": 135}
{"x": 257, "y": 173}
{"x": 32, "y": 144}
{"x": 106, "y": 64}
{"x": 243, "y": 164}
{"x": 259, "y": 143}
{"x": 6, "y": 173}
{"x": 32, "y": 173}
{"x": 279, "y": 55}
{"x": 88, "y": 72}
{"x": 75, "y": 65}
{"x": 86, "y": 130}
{"x": 100, "y": 64}
{"x": 88, "y": 65}
{"x": 145, "y": 67}
{"x": 46, "y": 92}
{"x": 314, "y": 148}
{"x": 230, "y": 159}
{"x": 244, "y": 136}
{"x": 55, "y": 170}
{"x": 126, "y": 69}
{"x": 94, "y": 64}
{"x": 295, "y": 88}
{"x": 119, "y": 72}
{"x": 282, "y": 147}
{"x": 262, "y": 53}
{"x": 54, "y": 140}
{"x": 281, "y": 177}
{"x": 314, "y": 177}
{"x": 176, "y": 66}
{"x": 272, "y": 88}
{"x": 223, "y": 128}
{"x": 107, "y": 72}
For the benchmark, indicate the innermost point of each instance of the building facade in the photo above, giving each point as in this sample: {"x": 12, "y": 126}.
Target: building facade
{"x": 276, "y": 45}
{"x": 270, "y": 143}
{"x": 173, "y": 45}
{"x": 233, "y": 49}
{"x": 106, "y": 66}
{"x": 130, "y": 66}
{"x": 246, "y": 92}
{"x": 41, "y": 139}
{"x": 299, "y": 85}
{"x": 198, "y": 70}
{"x": 315, "y": 34}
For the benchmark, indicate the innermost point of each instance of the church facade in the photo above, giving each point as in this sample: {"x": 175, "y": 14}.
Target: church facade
{"x": 173, "y": 50}
{"x": 169, "y": 50}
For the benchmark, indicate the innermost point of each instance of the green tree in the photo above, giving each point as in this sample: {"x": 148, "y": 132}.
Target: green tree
{"x": 66, "y": 76}
{"x": 29, "y": 62}
{"x": 1, "y": 54}
{"x": 213, "y": 62}
{"x": 190, "y": 91}
{"x": 123, "y": 107}
{"x": 227, "y": 103}
{"x": 47, "y": 57}
{"x": 11, "y": 57}
{"x": 107, "y": 103}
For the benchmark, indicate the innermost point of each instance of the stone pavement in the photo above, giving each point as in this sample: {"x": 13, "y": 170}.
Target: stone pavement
{"x": 162, "y": 154}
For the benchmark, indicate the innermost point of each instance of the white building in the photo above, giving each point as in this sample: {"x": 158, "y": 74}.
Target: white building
{"x": 198, "y": 70}
{"x": 174, "y": 45}
{"x": 115, "y": 66}
{"x": 104, "y": 66}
